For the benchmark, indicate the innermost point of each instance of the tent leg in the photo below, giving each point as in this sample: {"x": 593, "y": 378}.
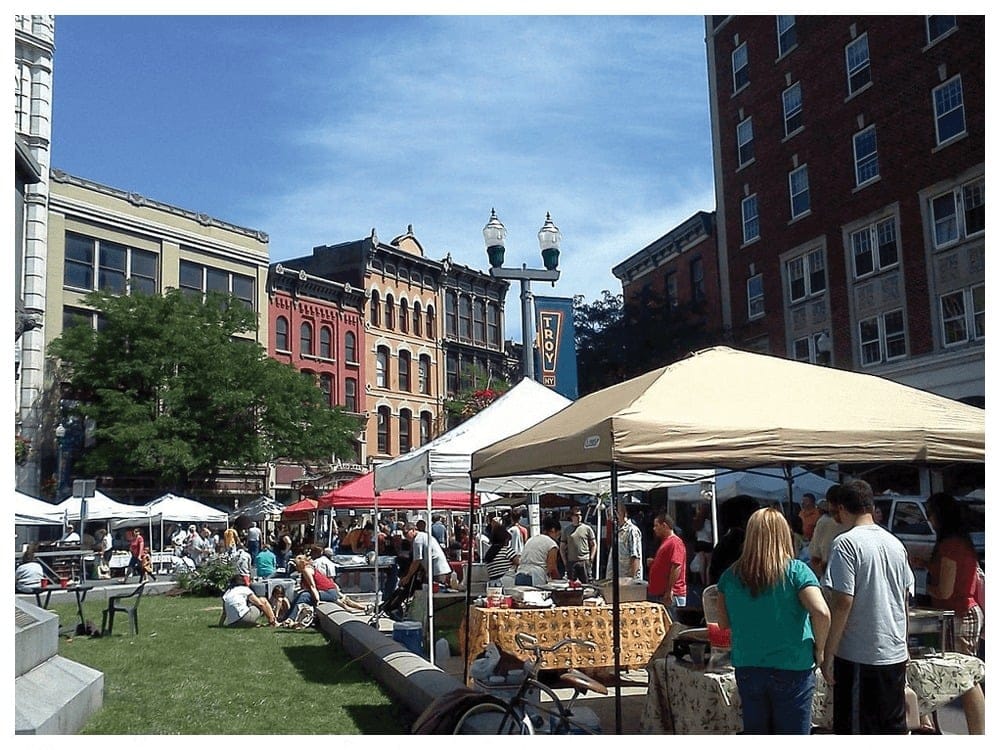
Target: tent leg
{"x": 616, "y": 623}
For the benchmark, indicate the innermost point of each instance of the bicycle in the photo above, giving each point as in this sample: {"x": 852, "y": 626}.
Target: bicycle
{"x": 523, "y": 714}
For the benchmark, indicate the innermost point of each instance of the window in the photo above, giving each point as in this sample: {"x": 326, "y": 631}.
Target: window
{"x": 375, "y": 314}
{"x": 326, "y": 386}
{"x": 351, "y": 347}
{"x": 281, "y": 334}
{"x": 431, "y": 327}
{"x": 938, "y": 26}
{"x": 198, "y": 280}
{"x": 959, "y": 213}
{"x": 405, "y": 421}
{"x": 382, "y": 367}
{"x": 451, "y": 373}
{"x": 744, "y": 141}
{"x": 404, "y": 371}
{"x": 117, "y": 268}
{"x": 390, "y": 313}
{"x": 697, "y": 269}
{"x": 741, "y": 67}
{"x": 424, "y": 375}
{"x": 306, "y": 339}
{"x": 425, "y": 427}
{"x": 865, "y": 156}
{"x": 351, "y": 395}
{"x": 75, "y": 316}
{"x": 791, "y": 102}
{"x": 882, "y": 338}
{"x": 751, "y": 225}
{"x": 383, "y": 429}
{"x": 786, "y": 34}
{"x": 859, "y": 69}
{"x": 949, "y": 110}
{"x": 404, "y": 317}
{"x": 325, "y": 343}
{"x": 418, "y": 321}
{"x": 874, "y": 248}
{"x": 465, "y": 318}
{"x": 670, "y": 287}
{"x": 806, "y": 275}
{"x": 963, "y": 315}
{"x": 755, "y": 296}
{"x": 479, "y": 322}
{"x": 810, "y": 349}
{"x": 493, "y": 325}
{"x": 798, "y": 191}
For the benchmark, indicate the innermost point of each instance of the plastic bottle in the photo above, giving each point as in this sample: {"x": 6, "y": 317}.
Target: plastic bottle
{"x": 441, "y": 650}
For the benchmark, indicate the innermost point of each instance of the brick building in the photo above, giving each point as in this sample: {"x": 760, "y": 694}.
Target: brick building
{"x": 849, "y": 156}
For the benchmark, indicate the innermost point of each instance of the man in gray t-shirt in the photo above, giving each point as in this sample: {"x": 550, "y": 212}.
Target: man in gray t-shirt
{"x": 868, "y": 580}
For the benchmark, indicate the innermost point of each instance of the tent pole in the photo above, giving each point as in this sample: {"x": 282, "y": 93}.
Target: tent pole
{"x": 787, "y": 468}
{"x": 468, "y": 585}
{"x": 430, "y": 581}
{"x": 616, "y": 623}
{"x": 378, "y": 582}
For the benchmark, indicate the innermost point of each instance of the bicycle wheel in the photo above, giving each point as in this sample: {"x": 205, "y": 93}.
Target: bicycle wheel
{"x": 491, "y": 717}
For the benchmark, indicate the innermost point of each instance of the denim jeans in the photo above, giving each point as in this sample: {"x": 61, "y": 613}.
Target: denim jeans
{"x": 305, "y": 597}
{"x": 776, "y": 701}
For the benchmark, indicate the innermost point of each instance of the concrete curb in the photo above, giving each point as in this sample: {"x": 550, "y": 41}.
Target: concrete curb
{"x": 410, "y": 679}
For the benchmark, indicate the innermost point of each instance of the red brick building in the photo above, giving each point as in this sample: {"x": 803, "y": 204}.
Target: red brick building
{"x": 849, "y": 156}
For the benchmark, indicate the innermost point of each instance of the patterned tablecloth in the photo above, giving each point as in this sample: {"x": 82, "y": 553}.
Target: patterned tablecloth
{"x": 686, "y": 700}
{"x": 643, "y": 625}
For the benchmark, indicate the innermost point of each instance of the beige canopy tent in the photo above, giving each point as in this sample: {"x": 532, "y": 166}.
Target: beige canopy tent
{"x": 721, "y": 407}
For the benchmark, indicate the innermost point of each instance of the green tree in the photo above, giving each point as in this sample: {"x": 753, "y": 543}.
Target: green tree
{"x": 176, "y": 392}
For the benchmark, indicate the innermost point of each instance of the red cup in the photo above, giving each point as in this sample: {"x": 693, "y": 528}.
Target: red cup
{"x": 44, "y": 583}
{"x": 64, "y": 582}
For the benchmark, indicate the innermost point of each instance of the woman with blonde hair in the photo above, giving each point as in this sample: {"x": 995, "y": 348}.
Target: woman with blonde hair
{"x": 779, "y": 621}
{"x": 317, "y": 587}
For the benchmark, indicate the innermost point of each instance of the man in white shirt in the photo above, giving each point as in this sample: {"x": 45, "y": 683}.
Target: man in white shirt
{"x": 322, "y": 560}
{"x": 424, "y": 547}
{"x": 241, "y": 607}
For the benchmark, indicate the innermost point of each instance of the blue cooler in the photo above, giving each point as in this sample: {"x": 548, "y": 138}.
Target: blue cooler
{"x": 411, "y": 634}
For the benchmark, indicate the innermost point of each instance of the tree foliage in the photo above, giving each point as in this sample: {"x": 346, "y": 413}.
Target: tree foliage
{"x": 615, "y": 341}
{"x": 176, "y": 392}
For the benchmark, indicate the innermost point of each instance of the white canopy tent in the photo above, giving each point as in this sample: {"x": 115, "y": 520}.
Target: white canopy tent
{"x": 29, "y": 511}
{"x": 767, "y": 483}
{"x": 100, "y": 507}
{"x": 172, "y": 508}
{"x": 739, "y": 410}
{"x": 263, "y": 508}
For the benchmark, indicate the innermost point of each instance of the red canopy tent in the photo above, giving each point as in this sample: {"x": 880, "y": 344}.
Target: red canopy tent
{"x": 299, "y": 510}
{"x": 360, "y": 493}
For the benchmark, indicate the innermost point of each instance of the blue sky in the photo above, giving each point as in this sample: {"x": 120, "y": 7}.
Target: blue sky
{"x": 316, "y": 129}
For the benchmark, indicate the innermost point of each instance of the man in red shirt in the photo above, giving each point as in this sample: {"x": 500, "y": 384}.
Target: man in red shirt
{"x": 667, "y": 579}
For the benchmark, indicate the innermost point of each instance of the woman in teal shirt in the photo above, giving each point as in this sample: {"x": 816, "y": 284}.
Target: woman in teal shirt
{"x": 779, "y": 621}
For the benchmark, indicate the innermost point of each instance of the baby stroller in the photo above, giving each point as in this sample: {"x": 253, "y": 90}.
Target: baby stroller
{"x": 398, "y": 602}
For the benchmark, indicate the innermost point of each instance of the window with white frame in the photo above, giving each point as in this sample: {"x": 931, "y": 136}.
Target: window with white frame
{"x": 865, "y": 156}
{"x": 963, "y": 315}
{"x": 938, "y": 26}
{"x": 382, "y": 367}
{"x": 874, "y": 248}
{"x": 744, "y": 141}
{"x": 859, "y": 69}
{"x": 405, "y": 422}
{"x": 424, "y": 375}
{"x": 199, "y": 280}
{"x": 741, "y": 67}
{"x": 882, "y": 338}
{"x": 755, "y": 296}
{"x": 403, "y": 367}
{"x": 959, "y": 213}
{"x": 425, "y": 427}
{"x": 806, "y": 275}
{"x": 808, "y": 349}
{"x": 382, "y": 428}
{"x": 418, "y": 321}
{"x": 786, "y": 34}
{"x": 751, "y": 223}
{"x": 117, "y": 268}
{"x": 949, "y": 110}
{"x": 798, "y": 191}
{"x": 791, "y": 102}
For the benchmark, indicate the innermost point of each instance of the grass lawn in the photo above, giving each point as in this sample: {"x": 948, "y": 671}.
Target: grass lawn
{"x": 185, "y": 675}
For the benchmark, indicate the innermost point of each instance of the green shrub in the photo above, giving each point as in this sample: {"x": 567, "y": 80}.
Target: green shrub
{"x": 211, "y": 578}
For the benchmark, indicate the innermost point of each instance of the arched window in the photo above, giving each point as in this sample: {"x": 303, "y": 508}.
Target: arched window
{"x": 281, "y": 334}
{"x": 405, "y": 423}
{"x": 404, "y": 317}
{"x": 425, "y": 374}
{"x": 383, "y": 429}
{"x": 418, "y": 322}
{"x": 431, "y": 326}
{"x": 375, "y": 314}
{"x": 351, "y": 395}
{"x": 326, "y": 385}
{"x": 451, "y": 314}
{"x": 325, "y": 343}
{"x": 425, "y": 427}
{"x": 404, "y": 371}
{"x": 382, "y": 367}
{"x": 390, "y": 312}
{"x": 350, "y": 347}
{"x": 306, "y": 339}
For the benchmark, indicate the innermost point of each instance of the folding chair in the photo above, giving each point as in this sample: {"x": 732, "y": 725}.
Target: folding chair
{"x": 114, "y": 605}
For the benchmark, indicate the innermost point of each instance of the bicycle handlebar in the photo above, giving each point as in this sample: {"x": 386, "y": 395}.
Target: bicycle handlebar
{"x": 530, "y": 643}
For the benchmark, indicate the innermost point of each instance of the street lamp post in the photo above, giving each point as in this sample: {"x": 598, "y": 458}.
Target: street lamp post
{"x": 494, "y": 233}
{"x": 61, "y": 444}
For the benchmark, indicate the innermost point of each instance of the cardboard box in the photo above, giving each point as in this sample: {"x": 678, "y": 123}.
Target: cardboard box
{"x": 628, "y": 591}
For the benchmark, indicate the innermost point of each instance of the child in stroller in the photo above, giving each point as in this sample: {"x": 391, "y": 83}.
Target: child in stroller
{"x": 395, "y": 605}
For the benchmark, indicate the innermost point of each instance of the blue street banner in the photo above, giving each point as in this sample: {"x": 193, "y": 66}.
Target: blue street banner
{"x": 556, "y": 345}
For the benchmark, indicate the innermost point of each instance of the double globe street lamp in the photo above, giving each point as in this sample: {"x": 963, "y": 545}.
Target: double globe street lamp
{"x": 549, "y": 237}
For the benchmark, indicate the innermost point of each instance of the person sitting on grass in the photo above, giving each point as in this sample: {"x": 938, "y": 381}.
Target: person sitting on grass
{"x": 317, "y": 587}
{"x": 242, "y": 608}
{"x": 279, "y": 603}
